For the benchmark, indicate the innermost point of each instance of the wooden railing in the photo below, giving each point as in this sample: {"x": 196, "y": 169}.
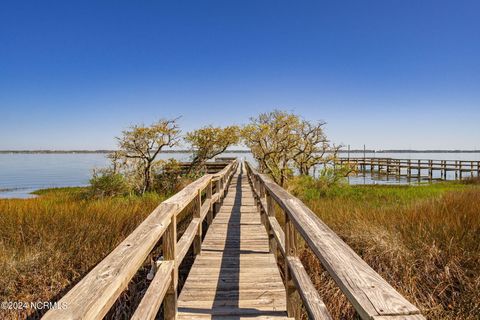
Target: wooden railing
{"x": 412, "y": 168}
{"x": 94, "y": 295}
{"x": 371, "y": 296}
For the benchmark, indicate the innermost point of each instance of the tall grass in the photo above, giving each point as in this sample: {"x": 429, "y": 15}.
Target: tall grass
{"x": 50, "y": 242}
{"x": 424, "y": 240}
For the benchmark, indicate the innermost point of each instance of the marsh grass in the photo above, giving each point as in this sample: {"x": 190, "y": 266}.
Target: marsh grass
{"x": 424, "y": 240}
{"x": 50, "y": 242}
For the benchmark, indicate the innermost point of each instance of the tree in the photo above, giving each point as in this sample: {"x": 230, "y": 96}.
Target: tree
{"x": 282, "y": 142}
{"x": 208, "y": 142}
{"x": 272, "y": 137}
{"x": 143, "y": 143}
{"x": 311, "y": 147}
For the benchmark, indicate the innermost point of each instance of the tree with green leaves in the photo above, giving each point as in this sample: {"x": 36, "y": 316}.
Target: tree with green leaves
{"x": 282, "y": 142}
{"x": 208, "y": 142}
{"x": 311, "y": 147}
{"x": 272, "y": 138}
{"x": 142, "y": 144}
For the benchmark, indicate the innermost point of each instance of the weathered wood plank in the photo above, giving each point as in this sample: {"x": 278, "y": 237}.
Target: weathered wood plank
{"x": 151, "y": 301}
{"x": 169, "y": 247}
{"x": 313, "y": 303}
{"x": 235, "y": 275}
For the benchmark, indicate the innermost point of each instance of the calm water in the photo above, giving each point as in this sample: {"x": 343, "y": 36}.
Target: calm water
{"x": 21, "y": 174}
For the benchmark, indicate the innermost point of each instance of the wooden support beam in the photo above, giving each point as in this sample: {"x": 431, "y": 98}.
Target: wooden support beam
{"x": 197, "y": 242}
{"x": 430, "y": 170}
{"x": 151, "y": 301}
{"x": 209, "y": 199}
{"x": 419, "y": 170}
{"x": 169, "y": 246}
{"x": 271, "y": 234}
{"x": 409, "y": 169}
{"x": 291, "y": 250}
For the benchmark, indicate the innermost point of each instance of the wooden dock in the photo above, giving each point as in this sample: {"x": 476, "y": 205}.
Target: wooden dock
{"x": 235, "y": 275}
{"x": 419, "y": 169}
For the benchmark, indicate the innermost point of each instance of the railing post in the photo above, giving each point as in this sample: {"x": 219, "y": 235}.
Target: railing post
{"x": 169, "y": 246}
{"x": 291, "y": 250}
{"x": 222, "y": 186}
{"x": 430, "y": 170}
{"x": 419, "y": 171}
{"x": 261, "y": 195}
{"x": 197, "y": 243}
{"x": 443, "y": 170}
{"x": 456, "y": 170}
{"x": 210, "y": 206}
{"x": 271, "y": 236}
{"x": 460, "y": 169}
{"x": 409, "y": 169}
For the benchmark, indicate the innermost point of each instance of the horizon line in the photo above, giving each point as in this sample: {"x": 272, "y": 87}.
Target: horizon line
{"x": 101, "y": 151}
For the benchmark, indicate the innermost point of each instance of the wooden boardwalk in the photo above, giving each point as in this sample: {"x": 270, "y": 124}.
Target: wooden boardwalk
{"x": 235, "y": 276}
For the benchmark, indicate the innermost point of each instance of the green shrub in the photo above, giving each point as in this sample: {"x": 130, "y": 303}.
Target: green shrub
{"x": 328, "y": 183}
{"x": 168, "y": 177}
{"x": 106, "y": 183}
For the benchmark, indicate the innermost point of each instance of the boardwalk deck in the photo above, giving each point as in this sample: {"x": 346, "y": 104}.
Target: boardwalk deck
{"x": 235, "y": 276}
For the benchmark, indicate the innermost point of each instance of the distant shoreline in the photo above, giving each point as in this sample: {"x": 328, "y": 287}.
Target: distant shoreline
{"x": 96, "y": 151}
{"x": 228, "y": 151}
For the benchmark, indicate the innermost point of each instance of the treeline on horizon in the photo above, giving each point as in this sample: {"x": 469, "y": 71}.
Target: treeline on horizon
{"x": 239, "y": 151}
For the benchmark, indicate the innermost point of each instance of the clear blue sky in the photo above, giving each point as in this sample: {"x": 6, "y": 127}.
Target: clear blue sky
{"x": 387, "y": 73}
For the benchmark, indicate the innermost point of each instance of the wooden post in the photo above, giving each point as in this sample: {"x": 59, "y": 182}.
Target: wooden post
{"x": 409, "y": 169}
{"x": 219, "y": 190}
{"x": 216, "y": 205}
{"x": 430, "y": 170}
{"x": 169, "y": 246}
{"x": 209, "y": 199}
{"x": 478, "y": 168}
{"x": 291, "y": 250}
{"x": 460, "y": 170}
{"x": 471, "y": 169}
{"x": 197, "y": 242}
{"x": 271, "y": 236}
{"x": 222, "y": 185}
{"x": 261, "y": 195}
{"x": 388, "y": 167}
{"x": 443, "y": 170}
{"x": 419, "y": 172}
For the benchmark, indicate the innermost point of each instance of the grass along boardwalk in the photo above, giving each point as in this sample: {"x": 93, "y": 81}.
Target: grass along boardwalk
{"x": 235, "y": 273}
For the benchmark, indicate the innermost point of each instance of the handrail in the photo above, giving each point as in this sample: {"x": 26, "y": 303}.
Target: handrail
{"x": 94, "y": 295}
{"x": 371, "y": 296}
